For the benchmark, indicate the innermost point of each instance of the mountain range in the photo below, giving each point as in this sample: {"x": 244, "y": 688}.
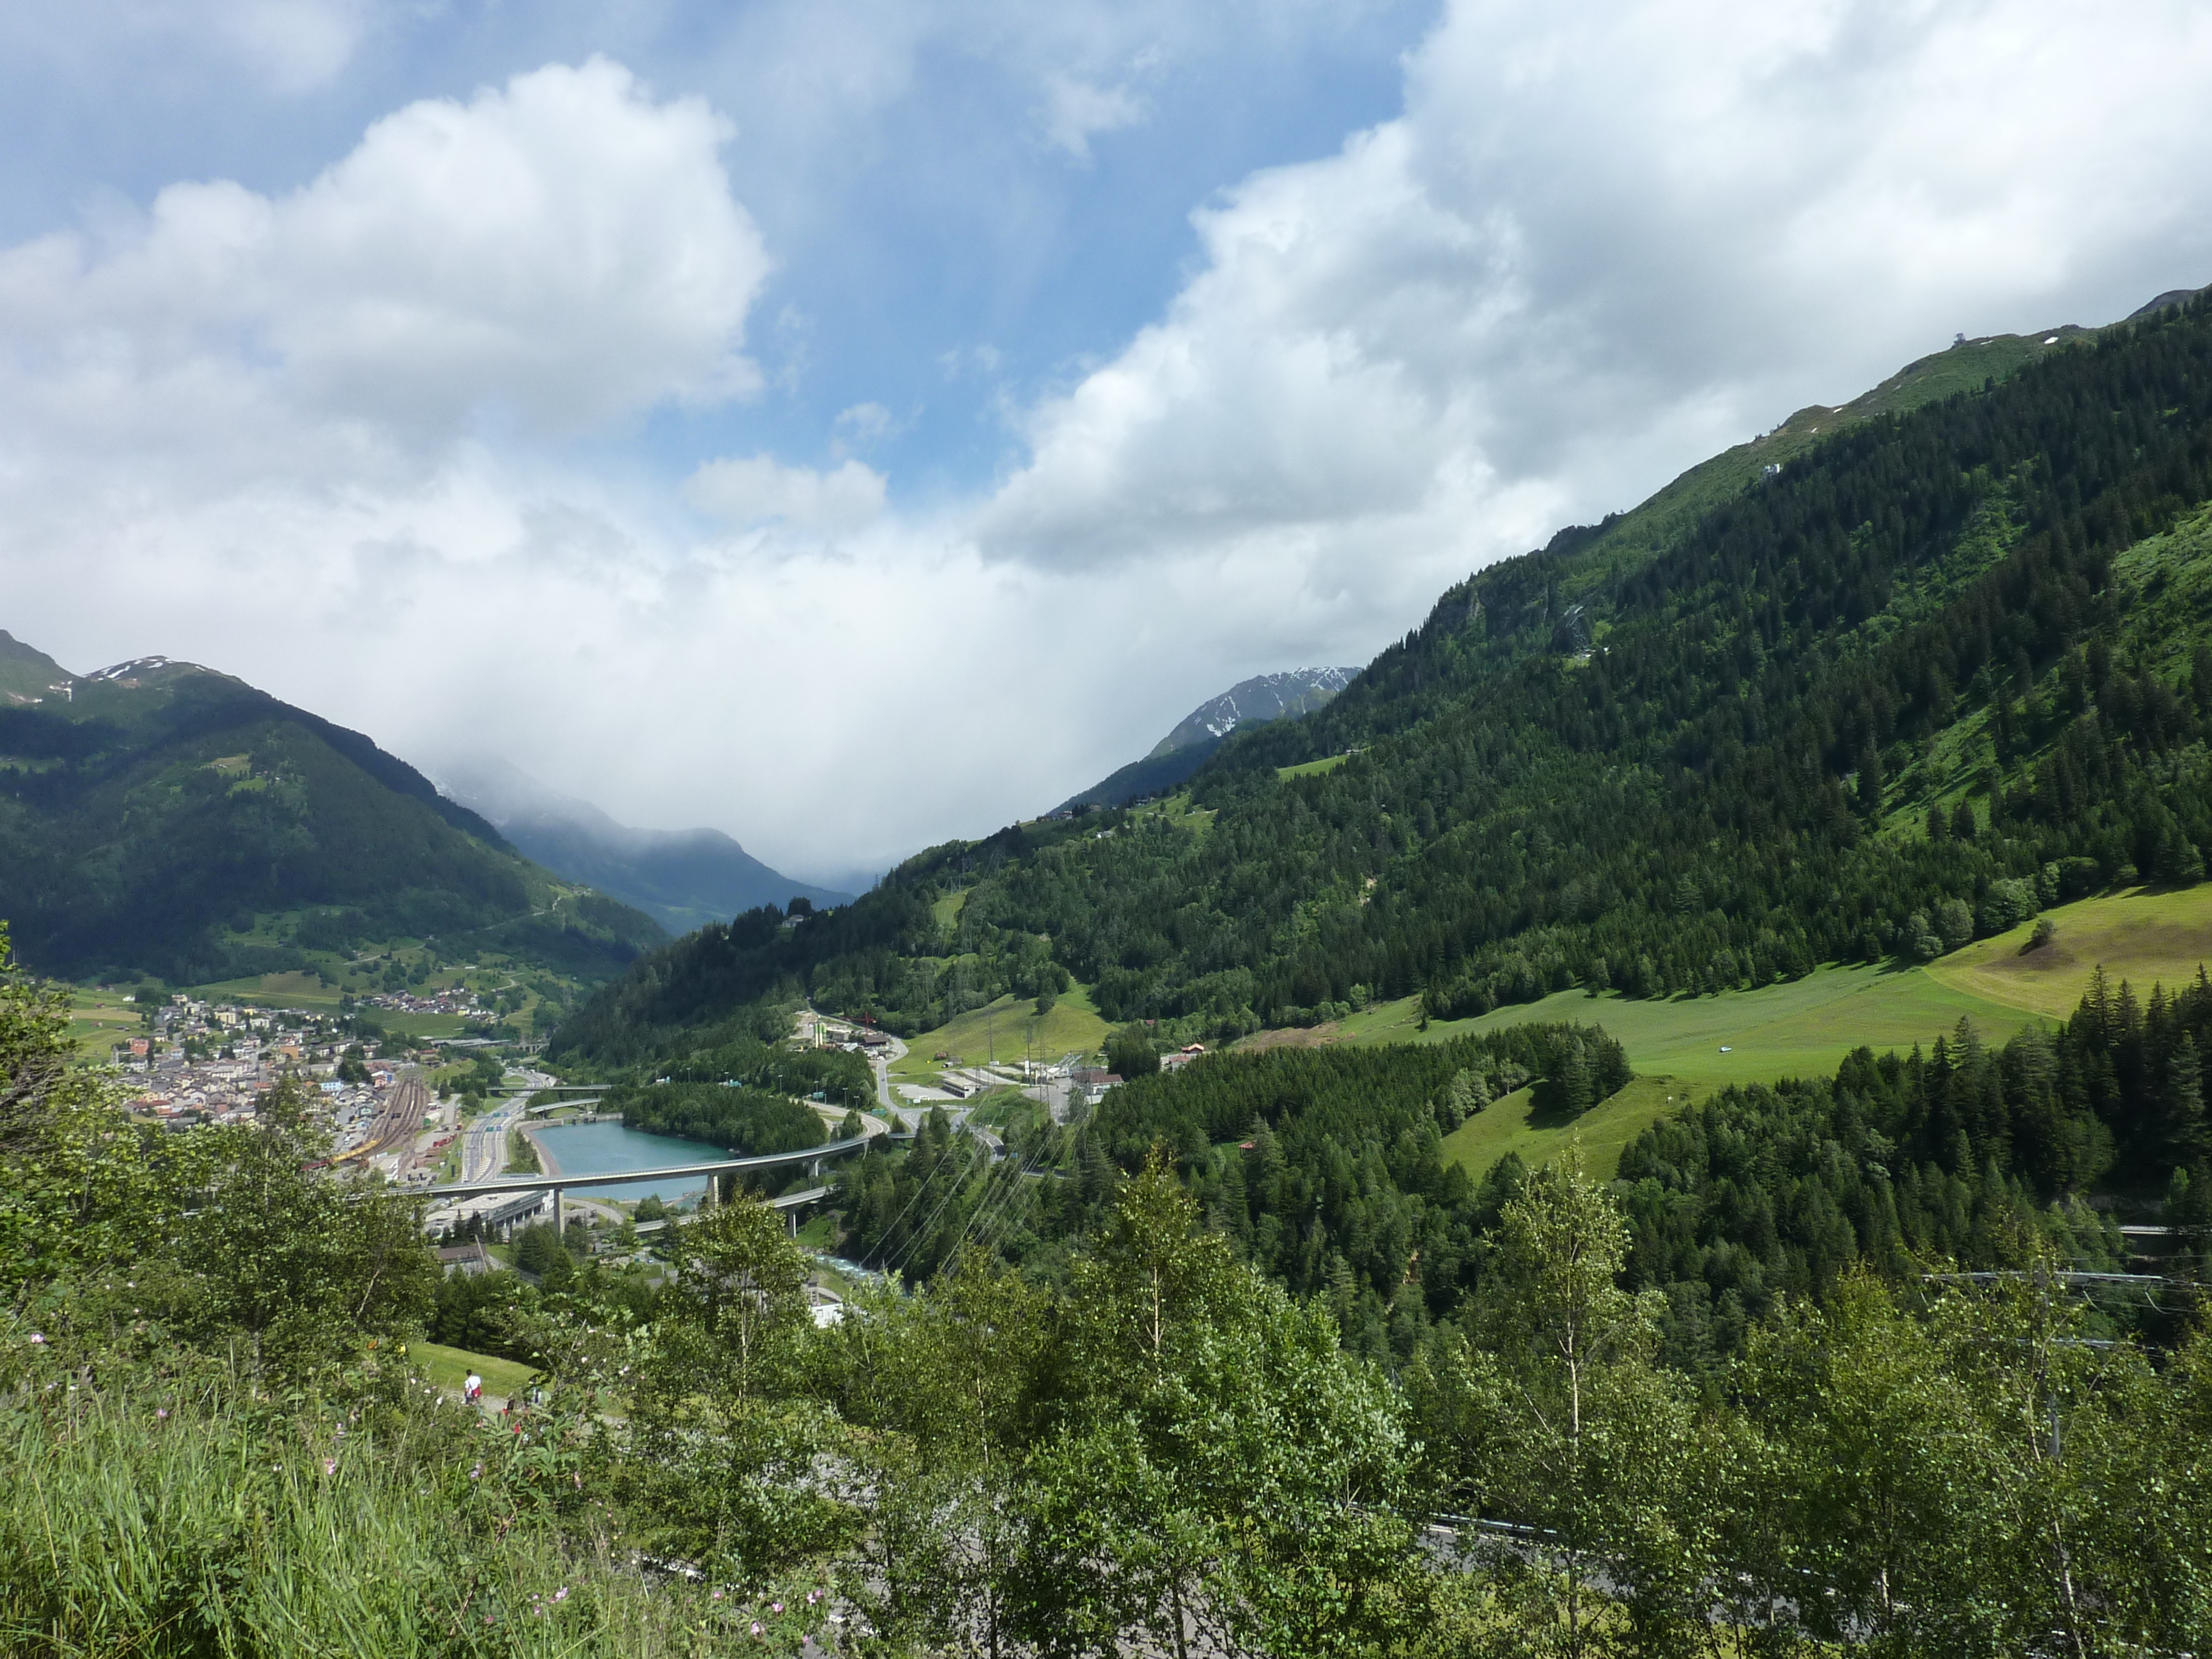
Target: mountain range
{"x": 1249, "y": 702}
{"x": 682, "y": 879}
{"x": 1896, "y": 671}
{"x": 161, "y": 818}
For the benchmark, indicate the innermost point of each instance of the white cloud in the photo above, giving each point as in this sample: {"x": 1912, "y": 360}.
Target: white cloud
{"x": 316, "y": 438}
{"x": 758, "y": 489}
{"x": 1077, "y": 110}
{"x": 865, "y": 424}
{"x": 1601, "y": 241}
{"x": 556, "y": 253}
{"x": 298, "y": 45}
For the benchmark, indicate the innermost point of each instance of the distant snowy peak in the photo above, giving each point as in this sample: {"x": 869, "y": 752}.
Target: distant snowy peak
{"x": 143, "y": 671}
{"x": 137, "y": 668}
{"x": 1253, "y": 703}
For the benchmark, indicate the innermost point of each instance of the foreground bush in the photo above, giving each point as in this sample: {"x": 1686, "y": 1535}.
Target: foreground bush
{"x": 165, "y": 1522}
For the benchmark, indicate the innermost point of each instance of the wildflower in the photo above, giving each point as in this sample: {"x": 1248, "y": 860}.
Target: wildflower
{"x": 37, "y": 1338}
{"x": 757, "y": 1629}
{"x": 561, "y": 1594}
{"x": 716, "y": 1596}
{"x": 476, "y": 1474}
{"x": 775, "y": 1606}
{"x": 161, "y": 1411}
{"x": 330, "y": 1466}
{"x": 813, "y": 1596}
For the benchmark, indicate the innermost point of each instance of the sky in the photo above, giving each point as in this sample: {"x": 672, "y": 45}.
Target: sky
{"x": 854, "y": 424}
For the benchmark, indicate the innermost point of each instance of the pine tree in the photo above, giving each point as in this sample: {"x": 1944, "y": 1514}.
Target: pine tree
{"x": 2182, "y": 1100}
{"x": 1870, "y": 781}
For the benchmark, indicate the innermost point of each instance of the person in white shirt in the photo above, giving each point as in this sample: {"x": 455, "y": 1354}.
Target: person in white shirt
{"x": 472, "y": 1387}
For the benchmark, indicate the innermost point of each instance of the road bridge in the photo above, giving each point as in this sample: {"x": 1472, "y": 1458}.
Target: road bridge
{"x": 811, "y": 1156}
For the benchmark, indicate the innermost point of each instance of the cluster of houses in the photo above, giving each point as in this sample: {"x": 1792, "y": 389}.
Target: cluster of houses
{"x": 241, "y": 1053}
{"x": 459, "y": 1000}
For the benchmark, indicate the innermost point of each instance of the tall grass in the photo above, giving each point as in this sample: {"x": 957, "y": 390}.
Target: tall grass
{"x": 222, "y": 1525}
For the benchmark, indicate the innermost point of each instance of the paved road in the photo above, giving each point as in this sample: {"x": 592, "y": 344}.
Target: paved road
{"x": 484, "y": 1145}
{"x": 881, "y": 1063}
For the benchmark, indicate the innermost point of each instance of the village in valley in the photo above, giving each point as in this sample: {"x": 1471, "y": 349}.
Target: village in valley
{"x": 202, "y": 1060}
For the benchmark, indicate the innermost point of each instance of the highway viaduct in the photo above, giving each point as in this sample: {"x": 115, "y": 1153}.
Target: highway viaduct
{"x": 812, "y": 1157}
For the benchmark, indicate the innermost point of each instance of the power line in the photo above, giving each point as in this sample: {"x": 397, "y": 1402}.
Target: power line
{"x": 1004, "y": 1204}
{"x": 913, "y": 1240}
{"x": 935, "y": 1170}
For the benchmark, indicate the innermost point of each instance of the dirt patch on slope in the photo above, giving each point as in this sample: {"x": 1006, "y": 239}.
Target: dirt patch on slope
{"x": 1290, "y": 1036}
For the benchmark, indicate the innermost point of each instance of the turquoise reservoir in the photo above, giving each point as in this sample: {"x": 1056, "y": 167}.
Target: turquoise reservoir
{"x": 574, "y": 1149}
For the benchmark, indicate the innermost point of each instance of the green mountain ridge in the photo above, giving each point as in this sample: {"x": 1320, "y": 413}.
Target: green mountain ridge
{"x": 1254, "y": 702}
{"x": 1688, "y": 748}
{"x": 158, "y": 816}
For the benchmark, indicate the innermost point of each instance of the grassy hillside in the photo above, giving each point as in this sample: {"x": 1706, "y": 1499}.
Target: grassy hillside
{"x": 1606, "y": 1130}
{"x": 99, "y": 1019}
{"x": 2143, "y": 936}
{"x": 1072, "y": 1027}
{"x": 1801, "y": 1029}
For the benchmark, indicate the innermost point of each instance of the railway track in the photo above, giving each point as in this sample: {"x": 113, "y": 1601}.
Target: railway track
{"x": 396, "y": 1123}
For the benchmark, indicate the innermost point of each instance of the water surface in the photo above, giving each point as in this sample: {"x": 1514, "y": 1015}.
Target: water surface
{"x": 574, "y": 1149}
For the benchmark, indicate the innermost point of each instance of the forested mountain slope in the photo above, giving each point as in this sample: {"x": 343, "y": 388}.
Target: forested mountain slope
{"x": 158, "y": 816}
{"x": 1946, "y": 666}
{"x": 1198, "y": 734}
